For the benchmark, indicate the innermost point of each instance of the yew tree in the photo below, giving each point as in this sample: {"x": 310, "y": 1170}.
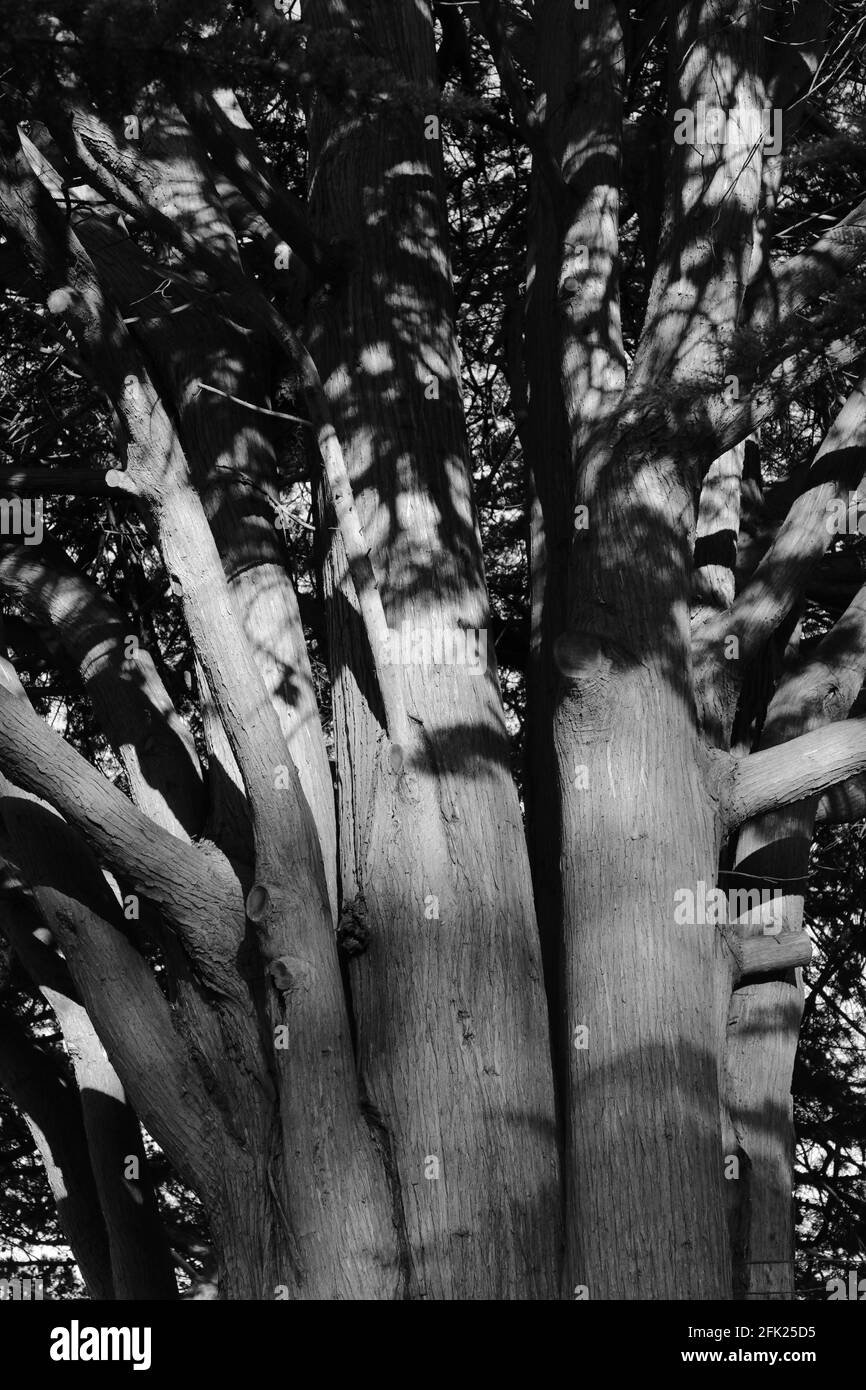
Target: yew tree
{"x": 408, "y": 1023}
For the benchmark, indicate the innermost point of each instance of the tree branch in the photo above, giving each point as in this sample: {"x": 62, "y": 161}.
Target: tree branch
{"x": 528, "y": 123}
{"x": 225, "y": 132}
{"x": 190, "y": 885}
{"x": 804, "y": 277}
{"x": 140, "y": 1261}
{"x": 768, "y": 955}
{"x": 50, "y": 1107}
{"x": 252, "y": 305}
{"x": 117, "y": 986}
{"x": 722, "y": 423}
{"x": 712, "y": 197}
{"x": 844, "y": 803}
{"x": 129, "y": 699}
{"x": 288, "y": 904}
{"x": 802, "y": 767}
{"x": 248, "y": 405}
{"x": 804, "y": 536}
{"x": 157, "y": 464}
{"x": 519, "y": 31}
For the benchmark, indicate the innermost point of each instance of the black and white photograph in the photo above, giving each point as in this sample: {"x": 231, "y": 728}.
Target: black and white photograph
{"x": 432, "y": 672}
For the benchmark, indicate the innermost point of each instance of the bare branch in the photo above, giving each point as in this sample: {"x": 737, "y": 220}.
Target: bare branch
{"x": 253, "y": 305}
{"x": 526, "y": 117}
{"x": 248, "y": 405}
{"x": 519, "y": 31}
{"x": 766, "y": 955}
{"x": 191, "y": 886}
{"x": 839, "y": 465}
{"x": 712, "y": 198}
{"x": 52, "y": 1113}
{"x": 140, "y": 1264}
{"x": 130, "y": 701}
{"x": 802, "y": 278}
{"x": 117, "y": 986}
{"x": 224, "y": 130}
{"x": 792, "y": 771}
{"x": 844, "y": 803}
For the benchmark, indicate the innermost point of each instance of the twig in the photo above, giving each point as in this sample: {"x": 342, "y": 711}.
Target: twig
{"x": 259, "y": 409}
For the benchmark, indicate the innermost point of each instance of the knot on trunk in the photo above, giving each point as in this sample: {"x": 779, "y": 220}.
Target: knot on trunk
{"x": 290, "y": 973}
{"x": 581, "y": 656}
{"x": 353, "y": 928}
{"x": 62, "y": 301}
{"x": 584, "y": 662}
{"x": 258, "y": 904}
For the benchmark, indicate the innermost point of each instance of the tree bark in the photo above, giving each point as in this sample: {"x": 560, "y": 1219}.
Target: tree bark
{"x": 141, "y": 1263}
{"x": 448, "y": 998}
{"x": 766, "y": 1009}
{"x": 51, "y": 1110}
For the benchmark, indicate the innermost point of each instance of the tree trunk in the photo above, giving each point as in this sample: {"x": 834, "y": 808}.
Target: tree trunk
{"x": 448, "y": 998}
{"x": 646, "y": 995}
